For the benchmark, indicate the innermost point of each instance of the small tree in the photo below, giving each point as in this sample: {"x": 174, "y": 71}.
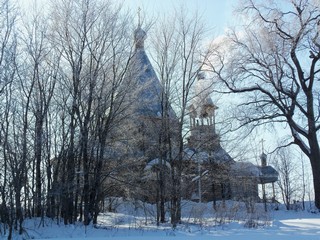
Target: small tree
{"x": 285, "y": 165}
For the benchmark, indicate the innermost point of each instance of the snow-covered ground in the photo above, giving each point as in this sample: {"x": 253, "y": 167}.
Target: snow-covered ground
{"x": 136, "y": 221}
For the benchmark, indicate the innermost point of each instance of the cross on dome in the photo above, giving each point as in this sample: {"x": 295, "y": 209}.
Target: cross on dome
{"x": 139, "y": 34}
{"x": 139, "y": 22}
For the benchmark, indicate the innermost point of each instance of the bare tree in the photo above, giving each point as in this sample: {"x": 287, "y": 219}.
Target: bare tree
{"x": 273, "y": 64}
{"x": 39, "y": 70}
{"x": 179, "y": 57}
{"x": 288, "y": 184}
{"x": 96, "y": 51}
{"x": 12, "y": 165}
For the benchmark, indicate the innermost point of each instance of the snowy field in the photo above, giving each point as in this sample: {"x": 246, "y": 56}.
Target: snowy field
{"x": 136, "y": 221}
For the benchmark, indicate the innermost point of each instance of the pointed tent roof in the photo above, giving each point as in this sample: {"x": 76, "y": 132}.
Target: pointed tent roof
{"x": 148, "y": 95}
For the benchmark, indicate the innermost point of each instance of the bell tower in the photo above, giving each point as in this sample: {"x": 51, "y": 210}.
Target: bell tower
{"x": 202, "y": 118}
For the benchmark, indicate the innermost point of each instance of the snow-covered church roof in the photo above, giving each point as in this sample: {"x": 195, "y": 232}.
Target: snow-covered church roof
{"x": 149, "y": 89}
{"x": 265, "y": 174}
{"x": 219, "y": 156}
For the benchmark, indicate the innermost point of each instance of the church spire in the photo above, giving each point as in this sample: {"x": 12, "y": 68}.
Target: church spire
{"x": 139, "y": 34}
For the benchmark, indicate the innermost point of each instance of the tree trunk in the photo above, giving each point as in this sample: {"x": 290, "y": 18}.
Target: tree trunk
{"x": 315, "y": 166}
{"x": 38, "y": 157}
{"x": 86, "y": 183}
{"x": 68, "y": 206}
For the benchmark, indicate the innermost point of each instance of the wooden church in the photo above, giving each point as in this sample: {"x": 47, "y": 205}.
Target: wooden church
{"x": 221, "y": 176}
{"x": 209, "y": 172}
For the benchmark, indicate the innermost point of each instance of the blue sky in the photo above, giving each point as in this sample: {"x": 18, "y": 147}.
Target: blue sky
{"x": 216, "y": 13}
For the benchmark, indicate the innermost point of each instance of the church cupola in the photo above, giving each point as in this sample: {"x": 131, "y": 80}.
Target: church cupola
{"x": 263, "y": 158}
{"x": 202, "y": 110}
{"x": 139, "y": 34}
{"x": 202, "y": 116}
{"x": 139, "y": 37}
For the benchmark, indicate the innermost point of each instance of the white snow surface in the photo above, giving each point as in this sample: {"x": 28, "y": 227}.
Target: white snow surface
{"x": 136, "y": 221}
